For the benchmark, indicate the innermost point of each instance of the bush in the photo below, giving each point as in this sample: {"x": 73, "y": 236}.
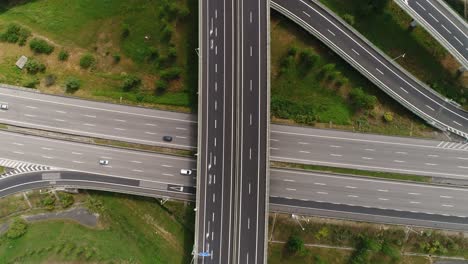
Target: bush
{"x": 292, "y": 51}
{"x": 131, "y": 82}
{"x": 295, "y": 244}
{"x": 31, "y": 83}
{"x": 172, "y": 53}
{"x": 361, "y": 100}
{"x": 166, "y": 33}
{"x": 17, "y": 228}
{"x": 125, "y": 31}
{"x": 72, "y": 85}
{"x": 307, "y": 59}
{"x": 349, "y": 19}
{"x": 15, "y": 33}
{"x": 63, "y": 55}
{"x": 48, "y": 201}
{"x": 41, "y": 46}
{"x": 32, "y": 66}
{"x": 153, "y": 54}
{"x": 388, "y": 117}
{"x": 171, "y": 74}
{"x": 116, "y": 57}
{"x": 66, "y": 199}
{"x": 327, "y": 69}
{"x": 50, "y": 80}
{"x": 87, "y": 61}
{"x": 161, "y": 86}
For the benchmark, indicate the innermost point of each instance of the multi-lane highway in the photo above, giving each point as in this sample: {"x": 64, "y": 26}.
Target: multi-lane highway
{"x": 369, "y": 152}
{"x": 215, "y": 218}
{"x": 296, "y": 191}
{"x": 97, "y": 119}
{"x": 252, "y": 131}
{"x": 372, "y": 63}
{"x": 442, "y": 23}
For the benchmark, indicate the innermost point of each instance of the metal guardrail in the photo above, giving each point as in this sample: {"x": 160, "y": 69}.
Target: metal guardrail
{"x": 434, "y": 32}
{"x": 428, "y": 119}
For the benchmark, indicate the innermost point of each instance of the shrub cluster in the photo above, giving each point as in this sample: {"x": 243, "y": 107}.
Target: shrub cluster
{"x": 130, "y": 83}
{"x": 17, "y": 228}
{"x": 361, "y": 100}
{"x": 15, "y": 34}
{"x": 40, "y": 46}
{"x": 63, "y": 55}
{"x": 72, "y": 85}
{"x": 33, "y": 66}
{"x": 87, "y": 60}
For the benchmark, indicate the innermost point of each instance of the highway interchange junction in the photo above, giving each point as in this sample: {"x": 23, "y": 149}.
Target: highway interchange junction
{"x": 229, "y": 178}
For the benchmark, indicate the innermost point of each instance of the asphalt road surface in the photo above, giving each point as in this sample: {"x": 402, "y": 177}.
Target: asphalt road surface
{"x": 214, "y": 220}
{"x": 288, "y": 143}
{"x": 252, "y": 128}
{"x": 97, "y": 119}
{"x": 445, "y": 25}
{"x": 361, "y": 55}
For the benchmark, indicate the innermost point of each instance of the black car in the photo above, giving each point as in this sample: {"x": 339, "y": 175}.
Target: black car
{"x": 167, "y": 138}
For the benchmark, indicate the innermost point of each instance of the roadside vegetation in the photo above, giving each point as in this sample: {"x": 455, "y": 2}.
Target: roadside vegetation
{"x": 356, "y": 243}
{"x": 311, "y": 85}
{"x": 366, "y": 173}
{"x": 102, "y": 45}
{"x": 387, "y": 26}
{"x": 458, "y": 6}
{"x": 131, "y": 230}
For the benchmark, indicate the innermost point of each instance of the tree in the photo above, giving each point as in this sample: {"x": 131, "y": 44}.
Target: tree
{"x": 63, "y": 55}
{"x": 361, "y": 100}
{"x": 130, "y": 82}
{"x": 40, "y": 46}
{"x": 171, "y": 73}
{"x": 72, "y": 85}
{"x": 295, "y": 244}
{"x": 87, "y": 60}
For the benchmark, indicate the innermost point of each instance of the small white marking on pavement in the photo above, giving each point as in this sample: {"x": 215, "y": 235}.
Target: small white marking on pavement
{"x": 403, "y": 89}
{"x": 331, "y": 32}
{"x": 445, "y": 196}
{"x": 433, "y": 17}
{"x": 322, "y": 192}
{"x": 291, "y": 189}
{"x": 383, "y": 199}
{"x": 305, "y": 13}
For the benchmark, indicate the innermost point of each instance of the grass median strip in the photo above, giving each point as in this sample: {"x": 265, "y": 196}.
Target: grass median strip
{"x": 376, "y": 174}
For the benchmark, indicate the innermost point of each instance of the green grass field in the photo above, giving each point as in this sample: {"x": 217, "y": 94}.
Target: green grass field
{"x": 160, "y": 37}
{"x": 132, "y": 230}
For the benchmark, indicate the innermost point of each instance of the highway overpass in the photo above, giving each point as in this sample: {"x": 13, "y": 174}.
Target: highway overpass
{"x": 442, "y": 23}
{"x": 414, "y": 95}
{"x": 287, "y": 143}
